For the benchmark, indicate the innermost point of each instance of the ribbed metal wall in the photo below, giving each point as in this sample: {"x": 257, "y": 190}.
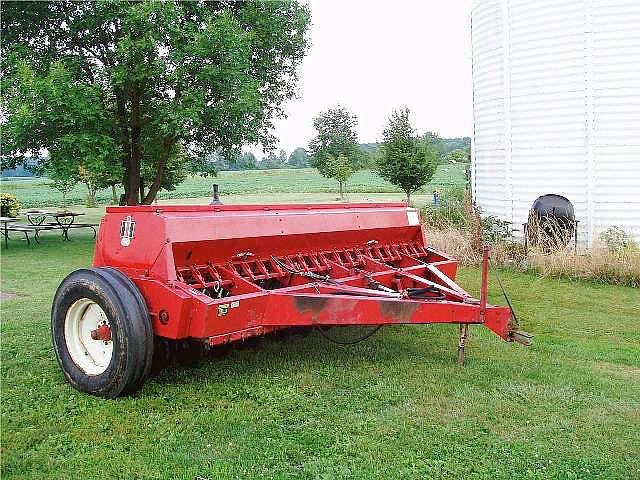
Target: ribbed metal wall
{"x": 557, "y": 109}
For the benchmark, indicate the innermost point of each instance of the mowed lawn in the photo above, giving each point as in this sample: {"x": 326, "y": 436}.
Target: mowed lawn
{"x": 393, "y": 407}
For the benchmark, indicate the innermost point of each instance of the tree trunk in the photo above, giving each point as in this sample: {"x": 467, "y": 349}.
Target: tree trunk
{"x": 91, "y": 200}
{"x": 341, "y": 195}
{"x": 114, "y": 194}
{"x": 132, "y": 170}
{"x": 408, "y": 197}
{"x": 125, "y": 141}
{"x": 134, "y": 187}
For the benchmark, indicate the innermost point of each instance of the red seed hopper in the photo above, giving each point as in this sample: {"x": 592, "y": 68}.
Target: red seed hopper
{"x": 223, "y": 273}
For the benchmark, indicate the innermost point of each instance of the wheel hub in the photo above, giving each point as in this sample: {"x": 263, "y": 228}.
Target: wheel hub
{"x": 88, "y": 336}
{"x": 103, "y": 332}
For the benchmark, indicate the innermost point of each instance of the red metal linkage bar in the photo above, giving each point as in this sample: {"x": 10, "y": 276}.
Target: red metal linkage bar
{"x": 256, "y": 269}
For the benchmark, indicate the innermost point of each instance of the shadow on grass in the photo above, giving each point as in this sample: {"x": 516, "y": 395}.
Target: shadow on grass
{"x": 285, "y": 353}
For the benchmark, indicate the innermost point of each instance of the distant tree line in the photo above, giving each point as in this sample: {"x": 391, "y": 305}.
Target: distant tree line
{"x": 404, "y": 158}
{"x": 215, "y": 162}
{"x": 447, "y": 150}
{"x": 25, "y": 169}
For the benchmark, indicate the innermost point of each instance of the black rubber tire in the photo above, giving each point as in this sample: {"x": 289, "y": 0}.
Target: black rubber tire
{"x": 149, "y": 346}
{"x": 131, "y": 331}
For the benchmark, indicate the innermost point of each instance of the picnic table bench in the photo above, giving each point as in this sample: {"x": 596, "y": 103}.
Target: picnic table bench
{"x": 63, "y": 221}
{"x": 5, "y": 229}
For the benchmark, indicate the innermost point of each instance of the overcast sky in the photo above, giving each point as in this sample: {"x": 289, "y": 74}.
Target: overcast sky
{"x": 374, "y": 56}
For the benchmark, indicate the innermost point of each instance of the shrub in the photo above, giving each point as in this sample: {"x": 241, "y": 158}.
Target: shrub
{"x": 457, "y": 211}
{"x": 496, "y": 230}
{"x": 450, "y": 214}
{"x": 617, "y": 240}
{"x": 9, "y": 205}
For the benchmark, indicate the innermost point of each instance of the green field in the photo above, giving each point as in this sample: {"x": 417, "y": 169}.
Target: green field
{"x": 394, "y": 407}
{"x": 37, "y": 192}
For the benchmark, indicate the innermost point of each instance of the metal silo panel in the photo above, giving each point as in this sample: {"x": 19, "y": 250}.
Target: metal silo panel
{"x": 616, "y": 137}
{"x": 488, "y": 179}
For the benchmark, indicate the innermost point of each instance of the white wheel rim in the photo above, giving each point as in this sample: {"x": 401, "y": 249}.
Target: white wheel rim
{"x": 84, "y": 317}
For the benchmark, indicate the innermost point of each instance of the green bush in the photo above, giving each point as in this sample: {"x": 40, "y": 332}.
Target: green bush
{"x": 451, "y": 214}
{"x": 496, "y": 230}
{"x": 9, "y": 205}
{"x": 617, "y": 239}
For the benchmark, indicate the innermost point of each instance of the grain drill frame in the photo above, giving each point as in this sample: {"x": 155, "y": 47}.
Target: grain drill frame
{"x": 220, "y": 274}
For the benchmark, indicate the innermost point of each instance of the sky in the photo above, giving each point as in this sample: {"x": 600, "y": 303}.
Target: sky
{"x": 373, "y": 57}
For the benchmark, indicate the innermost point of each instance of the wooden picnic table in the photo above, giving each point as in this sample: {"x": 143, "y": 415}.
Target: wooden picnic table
{"x": 63, "y": 219}
{"x": 37, "y": 217}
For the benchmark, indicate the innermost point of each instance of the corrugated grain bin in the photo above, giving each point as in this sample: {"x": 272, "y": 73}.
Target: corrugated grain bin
{"x": 557, "y": 109}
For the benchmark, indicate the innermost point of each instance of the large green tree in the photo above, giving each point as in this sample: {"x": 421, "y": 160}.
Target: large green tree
{"x": 336, "y": 137}
{"x": 146, "y": 85}
{"x": 404, "y": 159}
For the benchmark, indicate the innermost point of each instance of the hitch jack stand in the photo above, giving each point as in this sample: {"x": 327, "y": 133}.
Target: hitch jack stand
{"x": 464, "y": 334}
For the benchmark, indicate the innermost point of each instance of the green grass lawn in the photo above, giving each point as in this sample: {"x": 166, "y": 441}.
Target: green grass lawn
{"x": 37, "y": 192}
{"x": 394, "y": 407}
